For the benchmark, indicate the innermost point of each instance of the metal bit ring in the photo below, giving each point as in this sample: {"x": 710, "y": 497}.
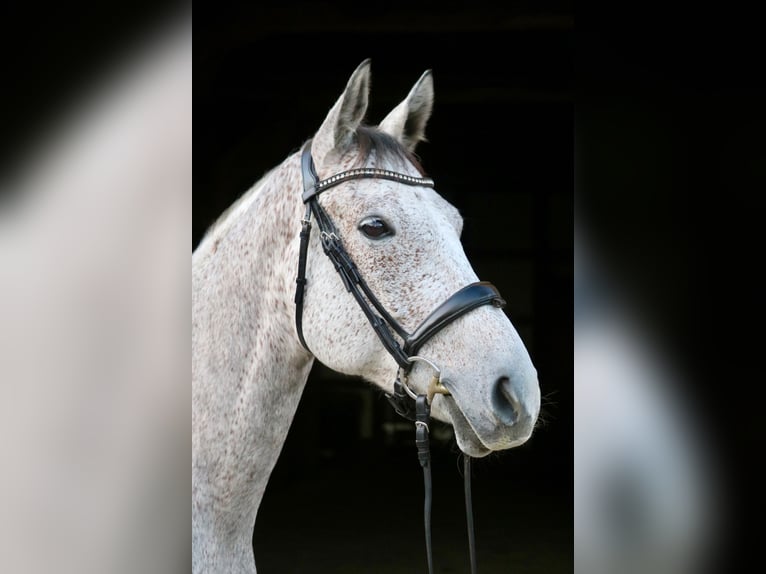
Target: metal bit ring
{"x": 434, "y": 387}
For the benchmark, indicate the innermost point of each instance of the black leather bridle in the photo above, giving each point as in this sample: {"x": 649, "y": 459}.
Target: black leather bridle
{"x": 405, "y": 401}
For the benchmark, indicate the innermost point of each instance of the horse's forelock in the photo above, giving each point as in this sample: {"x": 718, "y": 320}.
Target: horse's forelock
{"x": 386, "y": 148}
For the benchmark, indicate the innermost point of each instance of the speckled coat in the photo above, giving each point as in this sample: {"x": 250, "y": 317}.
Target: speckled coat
{"x": 249, "y": 369}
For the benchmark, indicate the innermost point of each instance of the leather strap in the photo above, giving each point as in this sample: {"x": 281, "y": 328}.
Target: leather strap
{"x": 422, "y": 417}
{"x": 460, "y": 303}
{"x": 403, "y": 404}
{"x": 309, "y": 172}
{"x": 300, "y": 282}
{"x": 469, "y": 512}
{"x": 422, "y": 441}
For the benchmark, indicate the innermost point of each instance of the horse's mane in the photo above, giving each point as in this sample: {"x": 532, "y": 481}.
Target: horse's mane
{"x": 370, "y": 140}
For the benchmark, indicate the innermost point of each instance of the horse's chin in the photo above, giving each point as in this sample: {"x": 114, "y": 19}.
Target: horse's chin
{"x": 469, "y": 442}
{"x": 467, "y": 439}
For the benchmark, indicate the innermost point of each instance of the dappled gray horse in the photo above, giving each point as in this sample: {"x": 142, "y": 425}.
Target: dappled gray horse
{"x": 250, "y": 361}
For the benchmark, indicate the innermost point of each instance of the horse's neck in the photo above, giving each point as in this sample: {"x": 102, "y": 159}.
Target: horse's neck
{"x": 248, "y": 368}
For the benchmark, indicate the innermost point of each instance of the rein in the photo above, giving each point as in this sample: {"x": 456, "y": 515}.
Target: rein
{"x": 405, "y": 402}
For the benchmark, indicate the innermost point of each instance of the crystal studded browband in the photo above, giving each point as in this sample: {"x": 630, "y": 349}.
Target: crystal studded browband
{"x": 364, "y": 173}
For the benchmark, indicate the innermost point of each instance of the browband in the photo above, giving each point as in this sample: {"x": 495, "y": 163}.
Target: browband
{"x": 312, "y": 187}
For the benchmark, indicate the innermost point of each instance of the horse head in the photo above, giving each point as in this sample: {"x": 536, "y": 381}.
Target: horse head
{"x": 405, "y": 242}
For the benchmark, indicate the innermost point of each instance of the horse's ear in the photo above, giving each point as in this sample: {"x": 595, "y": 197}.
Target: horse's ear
{"x": 407, "y": 121}
{"x": 337, "y": 130}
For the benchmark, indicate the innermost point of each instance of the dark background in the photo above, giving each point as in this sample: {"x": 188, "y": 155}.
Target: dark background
{"x": 347, "y": 491}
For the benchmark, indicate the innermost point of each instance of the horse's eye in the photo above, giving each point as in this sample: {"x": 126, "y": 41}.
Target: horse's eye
{"x": 375, "y": 228}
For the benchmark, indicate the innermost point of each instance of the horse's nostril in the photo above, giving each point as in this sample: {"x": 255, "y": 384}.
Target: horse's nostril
{"x": 505, "y": 401}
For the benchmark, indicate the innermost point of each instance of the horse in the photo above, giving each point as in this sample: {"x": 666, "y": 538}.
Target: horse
{"x": 255, "y": 336}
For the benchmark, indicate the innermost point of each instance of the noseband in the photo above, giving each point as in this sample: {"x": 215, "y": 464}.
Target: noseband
{"x": 404, "y": 351}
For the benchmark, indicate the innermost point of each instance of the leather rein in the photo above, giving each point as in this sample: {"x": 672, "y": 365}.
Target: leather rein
{"x": 412, "y": 406}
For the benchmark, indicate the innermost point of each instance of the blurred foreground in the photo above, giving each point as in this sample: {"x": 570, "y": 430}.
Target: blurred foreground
{"x": 94, "y": 328}
{"x": 646, "y": 490}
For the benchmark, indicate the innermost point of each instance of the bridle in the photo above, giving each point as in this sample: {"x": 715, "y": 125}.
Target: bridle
{"x": 405, "y": 401}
